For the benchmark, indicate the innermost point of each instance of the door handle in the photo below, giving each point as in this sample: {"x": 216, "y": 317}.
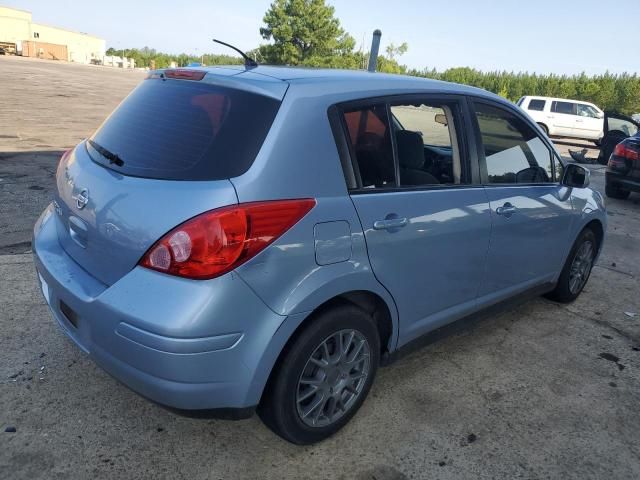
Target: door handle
{"x": 390, "y": 223}
{"x": 506, "y": 210}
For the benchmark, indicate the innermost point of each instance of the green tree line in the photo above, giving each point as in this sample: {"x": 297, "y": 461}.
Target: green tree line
{"x": 150, "y": 58}
{"x": 609, "y": 91}
{"x": 308, "y": 33}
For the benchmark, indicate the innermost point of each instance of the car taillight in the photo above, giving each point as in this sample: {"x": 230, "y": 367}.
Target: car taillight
{"x": 622, "y": 157}
{"x": 220, "y": 240}
{"x": 624, "y": 151}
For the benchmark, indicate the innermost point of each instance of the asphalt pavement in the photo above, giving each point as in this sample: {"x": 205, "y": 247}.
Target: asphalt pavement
{"x": 541, "y": 391}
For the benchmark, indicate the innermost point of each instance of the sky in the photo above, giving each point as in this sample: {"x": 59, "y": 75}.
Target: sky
{"x": 545, "y": 36}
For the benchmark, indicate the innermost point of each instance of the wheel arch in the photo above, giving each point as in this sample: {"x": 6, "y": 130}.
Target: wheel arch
{"x": 544, "y": 127}
{"x": 370, "y": 302}
{"x": 597, "y": 228}
{"x": 380, "y": 309}
{"x": 594, "y": 223}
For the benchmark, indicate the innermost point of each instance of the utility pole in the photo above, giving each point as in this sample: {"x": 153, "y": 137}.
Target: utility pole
{"x": 375, "y": 46}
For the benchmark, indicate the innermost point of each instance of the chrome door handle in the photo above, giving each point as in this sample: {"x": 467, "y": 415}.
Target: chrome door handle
{"x": 390, "y": 223}
{"x": 506, "y": 210}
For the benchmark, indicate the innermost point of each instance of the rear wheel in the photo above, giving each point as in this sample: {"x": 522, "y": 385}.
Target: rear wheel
{"x": 544, "y": 127}
{"x": 577, "y": 268}
{"x": 613, "y": 191}
{"x": 323, "y": 377}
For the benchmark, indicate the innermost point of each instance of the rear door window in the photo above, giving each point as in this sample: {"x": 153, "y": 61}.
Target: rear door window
{"x": 184, "y": 130}
{"x": 537, "y": 105}
{"x": 567, "y": 108}
{"x": 426, "y": 143}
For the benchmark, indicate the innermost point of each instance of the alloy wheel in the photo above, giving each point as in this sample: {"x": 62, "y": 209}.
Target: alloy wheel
{"x": 333, "y": 378}
{"x": 581, "y": 267}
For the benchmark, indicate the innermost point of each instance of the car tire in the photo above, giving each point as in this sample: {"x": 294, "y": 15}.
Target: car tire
{"x": 578, "y": 263}
{"x": 614, "y": 192}
{"x": 544, "y": 128}
{"x": 299, "y": 382}
{"x": 602, "y": 158}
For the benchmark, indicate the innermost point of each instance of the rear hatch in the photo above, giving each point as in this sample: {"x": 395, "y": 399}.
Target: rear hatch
{"x": 163, "y": 156}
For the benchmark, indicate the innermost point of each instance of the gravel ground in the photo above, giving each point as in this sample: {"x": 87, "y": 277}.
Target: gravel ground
{"x": 540, "y": 391}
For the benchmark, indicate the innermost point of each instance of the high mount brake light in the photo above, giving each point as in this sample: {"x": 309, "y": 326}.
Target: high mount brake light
{"x": 218, "y": 241}
{"x": 184, "y": 74}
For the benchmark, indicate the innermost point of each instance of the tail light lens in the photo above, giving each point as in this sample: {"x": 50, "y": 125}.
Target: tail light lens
{"x": 622, "y": 157}
{"x": 624, "y": 151}
{"x": 220, "y": 240}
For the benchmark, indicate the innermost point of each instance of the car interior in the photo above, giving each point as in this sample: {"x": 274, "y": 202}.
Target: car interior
{"x": 423, "y": 133}
{"x": 513, "y": 152}
{"x": 426, "y": 154}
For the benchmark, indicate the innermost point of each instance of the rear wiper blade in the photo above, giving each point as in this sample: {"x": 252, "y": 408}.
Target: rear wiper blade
{"x": 109, "y": 155}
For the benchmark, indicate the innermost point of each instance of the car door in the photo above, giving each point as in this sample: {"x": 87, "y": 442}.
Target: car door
{"x": 616, "y": 127}
{"x": 531, "y": 212}
{"x": 588, "y": 125}
{"x": 426, "y": 226}
{"x": 563, "y": 118}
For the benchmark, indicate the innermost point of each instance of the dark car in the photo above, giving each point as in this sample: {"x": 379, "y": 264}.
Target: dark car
{"x": 623, "y": 170}
{"x": 616, "y": 128}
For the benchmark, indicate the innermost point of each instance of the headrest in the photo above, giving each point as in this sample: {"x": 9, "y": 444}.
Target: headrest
{"x": 410, "y": 149}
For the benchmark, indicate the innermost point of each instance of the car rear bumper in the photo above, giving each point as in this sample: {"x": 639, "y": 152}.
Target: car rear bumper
{"x": 185, "y": 344}
{"x": 622, "y": 181}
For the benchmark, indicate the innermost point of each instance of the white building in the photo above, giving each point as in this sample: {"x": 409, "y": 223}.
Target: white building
{"x": 20, "y": 34}
{"x": 119, "y": 62}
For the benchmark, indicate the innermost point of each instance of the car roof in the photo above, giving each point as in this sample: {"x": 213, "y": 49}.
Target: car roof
{"x": 326, "y": 80}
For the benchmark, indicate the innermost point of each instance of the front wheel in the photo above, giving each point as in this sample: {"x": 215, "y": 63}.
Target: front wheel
{"x": 577, "y": 268}
{"x": 323, "y": 376}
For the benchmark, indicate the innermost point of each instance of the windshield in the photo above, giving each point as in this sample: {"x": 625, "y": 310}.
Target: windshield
{"x": 184, "y": 130}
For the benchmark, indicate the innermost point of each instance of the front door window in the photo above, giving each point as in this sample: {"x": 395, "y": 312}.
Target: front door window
{"x": 513, "y": 151}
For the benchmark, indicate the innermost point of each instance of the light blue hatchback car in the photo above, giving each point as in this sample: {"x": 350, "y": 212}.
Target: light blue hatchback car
{"x": 238, "y": 238}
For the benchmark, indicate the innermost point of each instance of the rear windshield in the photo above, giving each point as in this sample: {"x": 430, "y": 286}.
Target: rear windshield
{"x": 184, "y": 130}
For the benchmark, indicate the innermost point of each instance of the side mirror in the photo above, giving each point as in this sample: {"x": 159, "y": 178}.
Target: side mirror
{"x": 576, "y": 176}
{"x": 600, "y": 114}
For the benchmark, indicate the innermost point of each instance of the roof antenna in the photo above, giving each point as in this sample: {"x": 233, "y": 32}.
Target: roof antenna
{"x": 375, "y": 46}
{"x": 248, "y": 61}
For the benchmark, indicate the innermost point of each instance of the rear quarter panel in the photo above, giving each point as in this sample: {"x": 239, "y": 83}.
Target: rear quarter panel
{"x": 299, "y": 159}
